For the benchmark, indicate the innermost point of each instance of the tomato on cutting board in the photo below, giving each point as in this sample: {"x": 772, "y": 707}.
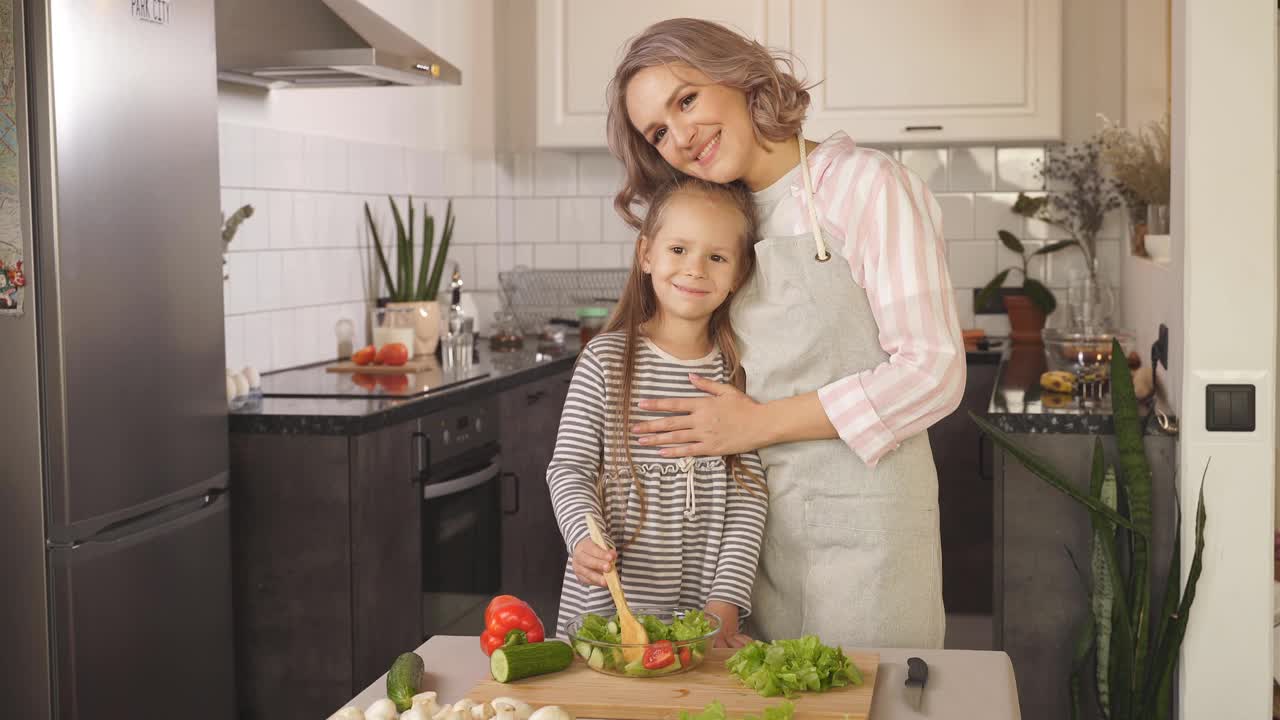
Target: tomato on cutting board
{"x": 658, "y": 655}
{"x": 364, "y": 355}
{"x": 392, "y": 354}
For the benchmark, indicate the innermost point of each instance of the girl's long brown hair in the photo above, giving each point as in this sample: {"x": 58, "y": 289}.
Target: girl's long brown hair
{"x": 639, "y": 304}
{"x": 776, "y": 99}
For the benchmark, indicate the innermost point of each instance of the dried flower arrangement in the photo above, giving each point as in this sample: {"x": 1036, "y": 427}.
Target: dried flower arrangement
{"x": 1079, "y": 198}
{"x": 1139, "y": 161}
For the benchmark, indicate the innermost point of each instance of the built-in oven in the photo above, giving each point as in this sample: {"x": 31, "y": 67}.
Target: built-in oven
{"x": 461, "y": 538}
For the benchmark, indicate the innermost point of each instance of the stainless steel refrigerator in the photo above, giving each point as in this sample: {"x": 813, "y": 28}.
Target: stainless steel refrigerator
{"x": 115, "y": 578}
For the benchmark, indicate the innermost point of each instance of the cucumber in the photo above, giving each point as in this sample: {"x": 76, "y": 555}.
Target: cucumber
{"x": 521, "y": 661}
{"x": 584, "y": 649}
{"x": 613, "y": 628}
{"x": 404, "y": 680}
{"x": 637, "y": 668}
{"x": 596, "y": 660}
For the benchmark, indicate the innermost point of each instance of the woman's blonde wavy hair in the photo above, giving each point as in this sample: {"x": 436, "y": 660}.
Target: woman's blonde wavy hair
{"x": 776, "y": 99}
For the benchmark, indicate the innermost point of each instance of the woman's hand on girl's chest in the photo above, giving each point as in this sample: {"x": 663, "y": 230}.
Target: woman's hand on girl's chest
{"x": 726, "y": 422}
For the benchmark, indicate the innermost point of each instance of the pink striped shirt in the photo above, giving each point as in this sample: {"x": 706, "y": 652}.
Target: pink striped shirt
{"x": 891, "y": 228}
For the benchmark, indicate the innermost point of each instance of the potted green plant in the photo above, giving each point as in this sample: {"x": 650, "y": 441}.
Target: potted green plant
{"x": 1130, "y": 638}
{"x": 1027, "y": 310}
{"x": 404, "y": 289}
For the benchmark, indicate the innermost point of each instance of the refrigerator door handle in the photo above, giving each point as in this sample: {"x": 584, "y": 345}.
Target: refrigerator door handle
{"x": 149, "y": 519}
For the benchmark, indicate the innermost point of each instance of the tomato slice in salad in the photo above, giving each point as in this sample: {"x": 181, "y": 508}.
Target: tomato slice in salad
{"x": 686, "y": 656}
{"x": 658, "y": 655}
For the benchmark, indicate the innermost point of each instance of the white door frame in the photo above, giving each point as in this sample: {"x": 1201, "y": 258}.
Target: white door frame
{"x": 1224, "y": 198}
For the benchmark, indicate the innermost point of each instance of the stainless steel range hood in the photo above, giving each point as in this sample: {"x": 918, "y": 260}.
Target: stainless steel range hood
{"x": 320, "y": 43}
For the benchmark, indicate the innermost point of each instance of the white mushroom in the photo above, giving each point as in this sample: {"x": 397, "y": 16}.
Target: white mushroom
{"x": 505, "y": 711}
{"x": 350, "y": 712}
{"x": 464, "y": 705}
{"x": 551, "y": 712}
{"x": 448, "y": 714}
{"x": 519, "y": 708}
{"x": 425, "y": 703}
{"x": 482, "y": 711}
{"x": 382, "y": 709}
{"x": 413, "y": 713}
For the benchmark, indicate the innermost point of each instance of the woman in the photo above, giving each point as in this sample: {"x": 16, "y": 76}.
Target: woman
{"x": 847, "y": 332}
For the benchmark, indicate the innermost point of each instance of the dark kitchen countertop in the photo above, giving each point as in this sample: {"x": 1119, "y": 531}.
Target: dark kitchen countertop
{"x": 325, "y": 413}
{"x": 1017, "y": 404}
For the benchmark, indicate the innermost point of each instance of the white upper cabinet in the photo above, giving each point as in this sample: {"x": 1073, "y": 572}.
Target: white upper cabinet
{"x": 932, "y": 70}
{"x": 581, "y": 41}
{"x": 889, "y": 71}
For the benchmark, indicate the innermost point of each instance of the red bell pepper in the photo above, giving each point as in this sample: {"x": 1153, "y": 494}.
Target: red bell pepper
{"x": 658, "y": 655}
{"x": 507, "y": 613}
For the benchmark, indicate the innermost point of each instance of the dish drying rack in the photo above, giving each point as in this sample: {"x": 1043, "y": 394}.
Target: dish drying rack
{"x": 536, "y": 297}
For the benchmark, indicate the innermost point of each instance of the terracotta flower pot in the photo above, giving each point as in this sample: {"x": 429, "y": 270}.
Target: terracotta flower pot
{"x": 426, "y": 325}
{"x": 1026, "y": 320}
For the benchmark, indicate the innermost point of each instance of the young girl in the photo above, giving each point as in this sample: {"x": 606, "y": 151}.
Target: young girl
{"x": 847, "y": 333}
{"x": 687, "y": 531}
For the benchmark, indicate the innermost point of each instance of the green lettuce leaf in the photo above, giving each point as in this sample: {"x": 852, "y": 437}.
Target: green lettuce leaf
{"x": 786, "y": 667}
{"x": 715, "y": 711}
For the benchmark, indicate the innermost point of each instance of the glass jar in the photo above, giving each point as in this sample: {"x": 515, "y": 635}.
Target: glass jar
{"x": 506, "y": 333}
{"x": 591, "y": 322}
{"x": 394, "y": 325}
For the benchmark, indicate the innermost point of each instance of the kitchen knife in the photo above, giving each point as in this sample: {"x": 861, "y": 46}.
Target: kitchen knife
{"x": 917, "y": 677}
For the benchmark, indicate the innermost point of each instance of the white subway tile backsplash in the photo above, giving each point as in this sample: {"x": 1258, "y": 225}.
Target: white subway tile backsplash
{"x": 994, "y": 212}
{"x": 996, "y": 325}
{"x": 229, "y": 200}
{"x": 395, "y": 174}
{"x": 555, "y": 257}
{"x": 524, "y": 256}
{"x": 615, "y": 230}
{"x": 973, "y": 168}
{"x": 957, "y": 216}
{"x": 1017, "y": 168}
{"x": 486, "y": 268}
{"x": 484, "y": 177}
{"x": 579, "y": 220}
{"x": 255, "y": 231}
{"x": 515, "y": 174}
{"x": 626, "y": 254}
{"x": 234, "y": 342}
{"x": 280, "y": 223}
{"x": 257, "y": 341}
{"x": 284, "y": 339}
{"x": 535, "y": 220}
{"x": 506, "y": 257}
{"x": 465, "y": 257}
{"x": 304, "y": 219}
{"x": 337, "y": 166}
{"x": 240, "y": 291}
{"x": 598, "y": 255}
{"x": 235, "y": 155}
{"x": 555, "y": 174}
{"x": 364, "y": 168}
{"x": 476, "y": 221}
{"x": 458, "y": 173}
{"x": 270, "y": 277}
{"x": 426, "y": 172}
{"x": 971, "y": 263}
{"x": 506, "y": 208}
{"x": 598, "y": 174}
{"x": 314, "y": 157}
{"x": 930, "y": 164}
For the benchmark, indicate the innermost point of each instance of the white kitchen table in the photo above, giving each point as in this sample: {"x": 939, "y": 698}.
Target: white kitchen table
{"x": 963, "y": 684}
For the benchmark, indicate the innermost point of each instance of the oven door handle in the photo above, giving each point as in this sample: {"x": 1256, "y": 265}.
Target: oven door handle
{"x": 464, "y": 483}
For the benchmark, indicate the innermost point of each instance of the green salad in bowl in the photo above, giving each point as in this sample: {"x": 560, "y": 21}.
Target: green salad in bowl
{"x": 679, "y": 639}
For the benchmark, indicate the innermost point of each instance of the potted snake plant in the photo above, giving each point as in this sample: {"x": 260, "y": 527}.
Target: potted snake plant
{"x": 405, "y": 289}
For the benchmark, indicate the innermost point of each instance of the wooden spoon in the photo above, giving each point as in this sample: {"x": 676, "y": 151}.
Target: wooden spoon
{"x": 633, "y": 633}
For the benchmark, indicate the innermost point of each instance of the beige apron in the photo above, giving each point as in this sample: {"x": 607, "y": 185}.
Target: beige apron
{"x": 851, "y": 553}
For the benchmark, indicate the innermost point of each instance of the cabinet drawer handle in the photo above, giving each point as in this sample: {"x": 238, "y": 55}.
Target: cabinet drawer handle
{"x": 920, "y": 128}
{"x": 514, "y": 494}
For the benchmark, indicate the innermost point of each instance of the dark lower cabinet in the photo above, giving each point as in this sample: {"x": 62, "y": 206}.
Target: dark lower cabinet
{"x": 326, "y": 565}
{"x": 966, "y": 515}
{"x": 533, "y": 552}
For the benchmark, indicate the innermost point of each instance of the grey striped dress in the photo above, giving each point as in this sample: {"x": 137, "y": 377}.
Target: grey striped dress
{"x": 701, "y": 535}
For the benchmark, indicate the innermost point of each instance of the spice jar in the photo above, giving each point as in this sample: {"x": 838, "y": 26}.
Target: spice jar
{"x": 591, "y": 322}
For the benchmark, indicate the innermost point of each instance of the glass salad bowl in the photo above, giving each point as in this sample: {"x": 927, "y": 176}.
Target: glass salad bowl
{"x": 679, "y": 639}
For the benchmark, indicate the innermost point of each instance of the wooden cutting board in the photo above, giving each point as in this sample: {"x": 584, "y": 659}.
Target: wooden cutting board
{"x": 418, "y": 364}
{"x": 589, "y": 694}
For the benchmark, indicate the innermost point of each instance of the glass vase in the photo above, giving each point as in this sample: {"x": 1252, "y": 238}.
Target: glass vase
{"x": 1091, "y": 301}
